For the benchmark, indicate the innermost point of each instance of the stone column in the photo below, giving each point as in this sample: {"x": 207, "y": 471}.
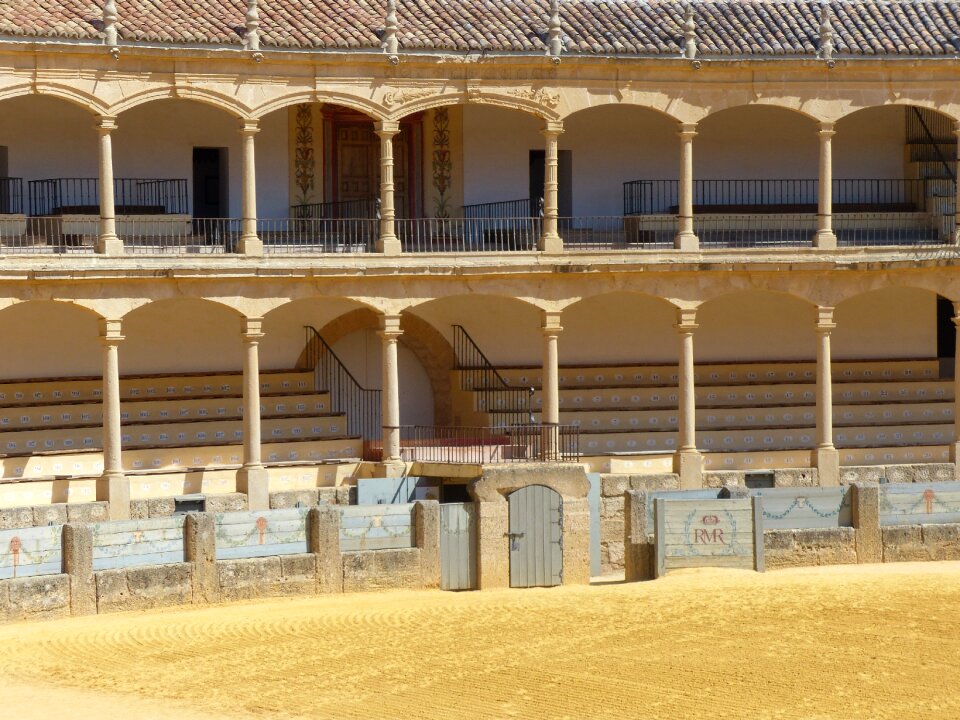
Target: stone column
{"x": 113, "y": 485}
{"x": 955, "y": 446}
{"x": 550, "y": 413}
{"x": 550, "y": 240}
{"x": 252, "y": 478}
{"x": 686, "y": 238}
{"x": 687, "y": 460}
{"x": 107, "y": 241}
{"x": 825, "y": 238}
{"x": 250, "y": 243}
{"x": 826, "y": 458}
{"x": 389, "y": 243}
{"x": 390, "y": 333}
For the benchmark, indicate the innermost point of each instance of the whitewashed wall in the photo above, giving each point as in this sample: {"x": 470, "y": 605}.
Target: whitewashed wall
{"x": 890, "y": 323}
{"x": 49, "y": 339}
{"x": 496, "y": 153}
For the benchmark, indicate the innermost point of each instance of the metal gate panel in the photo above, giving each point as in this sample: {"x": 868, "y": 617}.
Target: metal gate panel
{"x": 458, "y": 543}
{"x": 536, "y": 537}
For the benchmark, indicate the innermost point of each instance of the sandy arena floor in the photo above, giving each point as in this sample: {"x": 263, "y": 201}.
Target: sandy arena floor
{"x": 861, "y": 642}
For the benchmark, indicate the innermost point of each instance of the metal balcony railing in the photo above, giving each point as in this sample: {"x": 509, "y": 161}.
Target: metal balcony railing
{"x": 44, "y": 235}
{"x": 636, "y": 232}
{"x": 132, "y": 196}
{"x": 469, "y": 234}
{"x": 344, "y": 210}
{"x": 179, "y": 236}
{"x": 11, "y": 196}
{"x": 318, "y": 235}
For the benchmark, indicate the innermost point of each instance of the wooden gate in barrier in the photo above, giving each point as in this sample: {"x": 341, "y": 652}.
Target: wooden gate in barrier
{"x": 708, "y": 533}
{"x": 458, "y": 546}
{"x": 536, "y": 537}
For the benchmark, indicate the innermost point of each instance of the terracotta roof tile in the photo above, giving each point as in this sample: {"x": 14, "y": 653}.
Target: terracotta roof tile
{"x": 651, "y": 27}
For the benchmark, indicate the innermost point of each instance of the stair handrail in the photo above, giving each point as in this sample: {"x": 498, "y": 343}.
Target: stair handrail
{"x": 935, "y": 144}
{"x": 489, "y": 375}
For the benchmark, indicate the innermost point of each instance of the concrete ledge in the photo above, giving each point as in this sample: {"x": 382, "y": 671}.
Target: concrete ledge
{"x": 143, "y": 588}
{"x": 382, "y": 570}
{"x": 57, "y": 514}
{"x": 800, "y": 548}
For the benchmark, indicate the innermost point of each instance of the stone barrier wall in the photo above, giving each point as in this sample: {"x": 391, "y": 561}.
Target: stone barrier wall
{"x": 311, "y": 561}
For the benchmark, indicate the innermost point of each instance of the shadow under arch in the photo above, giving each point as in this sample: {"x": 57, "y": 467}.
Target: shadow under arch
{"x": 529, "y": 107}
{"x": 366, "y": 107}
{"x": 223, "y": 102}
{"x": 81, "y": 99}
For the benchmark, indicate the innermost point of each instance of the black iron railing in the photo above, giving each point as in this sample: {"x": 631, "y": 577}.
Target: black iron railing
{"x": 493, "y": 393}
{"x": 759, "y": 196}
{"x": 322, "y": 235}
{"x": 361, "y": 406}
{"x": 132, "y": 196}
{"x": 524, "y": 207}
{"x": 11, "y": 196}
{"x": 529, "y": 442}
{"x": 931, "y": 138}
{"x": 520, "y": 234}
{"x": 347, "y": 209}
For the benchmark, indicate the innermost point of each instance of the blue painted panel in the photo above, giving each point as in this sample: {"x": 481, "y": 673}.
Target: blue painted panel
{"x": 919, "y": 504}
{"x": 29, "y": 552}
{"x": 593, "y": 498}
{"x": 393, "y": 491}
{"x": 376, "y": 527}
{"x": 805, "y": 508}
{"x": 126, "y": 543}
{"x": 705, "y": 494}
{"x": 260, "y": 534}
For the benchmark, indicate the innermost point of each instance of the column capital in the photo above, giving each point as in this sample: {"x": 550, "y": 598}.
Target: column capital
{"x": 386, "y": 128}
{"x": 390, "y": 327}
{"x": 550, "y": 322}
{"x": 688, "y": 130}
{"x": 826, "y": 130}
{"x": 825, "y": 323}
{"x": 252, "y": 328}
{"x": 249, "y": 127}
{"x": 107, "y": 123}
{"x": 111, "y": 331}
{"x": 686, "y": 320}
{"x": 552, "y": 128}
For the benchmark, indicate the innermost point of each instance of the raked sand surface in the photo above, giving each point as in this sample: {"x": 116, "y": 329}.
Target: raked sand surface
{"x": 858, "y": 642}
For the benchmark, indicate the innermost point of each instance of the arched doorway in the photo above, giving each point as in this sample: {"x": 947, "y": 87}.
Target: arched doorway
{"x": 536, "y": 537}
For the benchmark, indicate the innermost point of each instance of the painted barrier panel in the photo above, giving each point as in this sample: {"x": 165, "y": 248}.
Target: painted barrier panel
{"x": 376, "y": 527}
{"x": 124, "y": 543}
{"x": 919, "y": 503}
{"x": 654, "y": 495}
{"x": 28, "y": 552}
{"x": 391, "y": 491}
{"x": 806, "y": 508}
{"x": 708, "y": 533}
{"x": 260, "y": 534}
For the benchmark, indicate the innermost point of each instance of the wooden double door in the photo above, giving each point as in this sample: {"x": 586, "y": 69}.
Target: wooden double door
{"x": 357, "y": 168}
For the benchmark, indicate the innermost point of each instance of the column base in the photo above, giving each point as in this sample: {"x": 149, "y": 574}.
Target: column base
{"x": 686, "y": 242}
{"x": 550, "y": 244}
{"x": 392, "y": 468}
{"x": 251, "y": 245}
{"x": 825, "y": 240}
{"x": 114, "y": 488}
{"x": 255, "y": 483}
{"x": 827, "y": 462}
{"x": 688, "y": 464}
{"x": 389, "y": 245}
{"x": 108, "y": 245}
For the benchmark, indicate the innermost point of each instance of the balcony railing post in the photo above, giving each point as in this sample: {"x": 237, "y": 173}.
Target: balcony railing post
{"x": 686, "y": 239}
{"x": 388, "y": 243}
{"x": 550, "y": 241}
{"x": 250, "y": 243}
{"x": 107, "y": 241}
{"x": 825, "y": 238}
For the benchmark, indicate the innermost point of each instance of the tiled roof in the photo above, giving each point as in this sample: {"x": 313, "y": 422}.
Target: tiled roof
{"x": 733, "y": 27}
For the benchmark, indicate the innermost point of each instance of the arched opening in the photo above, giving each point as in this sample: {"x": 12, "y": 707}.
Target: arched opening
{"x": 48, "y": 339}
{"x": 894, "y": 176}
{"x": 48, "y": 175}
{"x": 624, "y": 190}
{"x": 755, "y": 177}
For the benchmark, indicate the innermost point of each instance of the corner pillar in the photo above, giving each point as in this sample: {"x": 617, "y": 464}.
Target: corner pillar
{"x": 107, "y": 241}
{"x": 550, "y": 240}
{"x": 825, "y": 457}
{"x": 825, "y": 238}
{"x": 687, "y": 461}
{"x": 250, "y": 243}
{"x": 252, "y": 478}
{"x": 112, "y": 486}
{"x": 389, "y": 243}
{"x": 686, "y": 239}
{"x": 390, "y": 333}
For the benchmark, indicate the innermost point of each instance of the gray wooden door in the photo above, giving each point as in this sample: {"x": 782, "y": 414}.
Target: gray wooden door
{"x": 458, "y": 543}
{"x": 536, "y": 537}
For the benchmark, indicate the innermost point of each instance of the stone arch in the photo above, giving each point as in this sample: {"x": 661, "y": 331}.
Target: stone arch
{"x": 738, "y": 102}
{"x": 613, "y": 101}
{"x": 755, "y": 325}
{"x": 82, "y": 99}
{"x": 209, "y": 97}
{"x": 531, "y": 107}
{"x": 431, "y": 349}
{"x": 371, "y": 109}
{"x": 49, "y": 338}
{"x": 888, "y": 322}
{"x": 927, "y": 102}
